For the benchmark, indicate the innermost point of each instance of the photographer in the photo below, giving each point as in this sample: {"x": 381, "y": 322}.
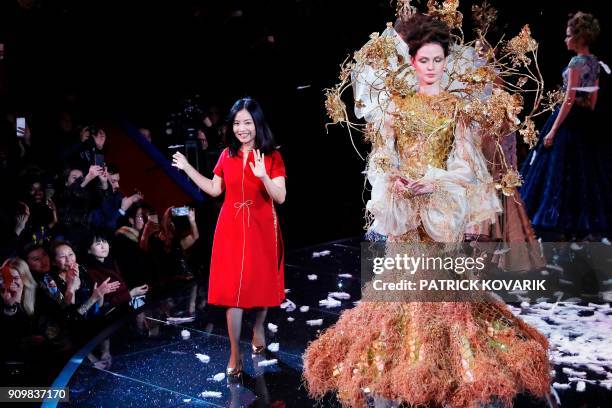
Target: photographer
{"x": 91, "y": 150}
{"x": 114, "y": 204}
{"x": 131, "y": 259}
{"x": 171, "y": 245}
{"x": 75, "y": 201}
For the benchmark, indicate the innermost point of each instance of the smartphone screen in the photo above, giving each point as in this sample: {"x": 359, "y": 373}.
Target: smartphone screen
{"x": 99, "y": 160}
{"x": 20, "y": 126}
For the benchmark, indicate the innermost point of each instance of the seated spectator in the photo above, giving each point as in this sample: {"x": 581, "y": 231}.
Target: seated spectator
{"x": 21, "y": 341}
{"x": 130, "y": 258}
{"x": 42, "y": 214}
{"x": 82, "y": 297}
{"x": 40, "y": 265}
{"x": 170, "y": 246}
{"x": 101, "y": 268}
{"x": 49, "y": 298}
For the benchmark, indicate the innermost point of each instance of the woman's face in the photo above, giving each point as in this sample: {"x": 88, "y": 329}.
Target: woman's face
{"x": 37, "y": 192}
{"x": 140, "y": 220}
{"x": 570, "y": 40}
{"x": 429, "y": 63}
{"x": 64, "y": 258}
{"x": 99, "y": 139}
{"x": 11, "y": 285}
{"x": 244, "y": 127}
{"x": 99, "y": 249}
{"x": 74, "y": 175}
{"x": 38, "y": 261}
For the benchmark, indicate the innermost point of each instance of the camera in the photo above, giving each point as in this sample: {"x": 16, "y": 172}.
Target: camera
{"x": 180, "y": 211}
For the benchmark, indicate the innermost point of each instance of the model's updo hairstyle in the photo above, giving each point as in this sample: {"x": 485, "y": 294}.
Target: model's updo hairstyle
{"x": 421, "y": 29}
{"x": 584, "y": 27}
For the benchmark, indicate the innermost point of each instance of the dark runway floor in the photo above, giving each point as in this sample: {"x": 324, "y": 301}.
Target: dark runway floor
{"x": 152, "y": 365}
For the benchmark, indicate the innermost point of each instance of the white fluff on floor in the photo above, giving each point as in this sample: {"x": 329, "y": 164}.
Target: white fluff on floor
{"x": 579, "y": 343}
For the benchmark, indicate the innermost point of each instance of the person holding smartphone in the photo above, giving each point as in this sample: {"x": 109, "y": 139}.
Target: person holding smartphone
{"x": 247, "y": 265}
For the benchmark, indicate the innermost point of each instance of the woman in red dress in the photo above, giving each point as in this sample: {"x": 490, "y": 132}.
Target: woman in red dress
{"x": 247, "y": 265}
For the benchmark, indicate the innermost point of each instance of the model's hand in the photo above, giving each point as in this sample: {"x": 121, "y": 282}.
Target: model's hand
{"x": 421, "y": 187}
{"x": 180, "y": 161}
{"x": 192, "y": 215}
{"x": 549, "y": 139}
{"x": 259, "y": 169}
{"x": 415, "y": 188}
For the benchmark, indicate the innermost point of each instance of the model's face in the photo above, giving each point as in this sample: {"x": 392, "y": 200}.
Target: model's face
{"x": 571, "y": 42}
{"x": 73, "y": 176}
{"x": 38, "y": 261}
{"x": 99, "y": 249}
{"x": 244, "y": 127}
{"x": 64, "y": 258}
{"x": 429, "y": 63}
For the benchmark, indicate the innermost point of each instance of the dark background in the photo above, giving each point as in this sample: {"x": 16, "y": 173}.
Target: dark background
{"x": 139, "y": 58}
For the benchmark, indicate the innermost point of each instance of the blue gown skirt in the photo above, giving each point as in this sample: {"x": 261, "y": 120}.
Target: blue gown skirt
{"x": 566, "y": 188}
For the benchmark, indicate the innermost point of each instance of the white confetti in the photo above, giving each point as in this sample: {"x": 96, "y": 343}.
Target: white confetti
{"x": 211, "y": 394}
{"x": 312, "y": 277}
{"x": 290, "y": 319}
{"x": 288, "y": 305}
{"x": 287, "y": 291}
{"x": 330, "y": 302}
{"x": 186, "y": 400}
{"x": 339, "y": 295}
{"x": 219, "y": 377}
{"x": 203, "y": 358}
{"x": 345, "y": 275}
{"x": 579, "y": 343}
{"x": 273, "y": 347}
{"x": 185, "y": 334}
{"x": 272, "y": 327}
{"x": 558, "y": 386}
{"x": 573, "y": 372}
{"x": 177, "y": 320}
{"x": 580, "y": 386}
{"x": 315, "y": 322}
{"x": 320, "y": 254}
{"x": 266, "y": 363}
{"x": 304, "y": 309}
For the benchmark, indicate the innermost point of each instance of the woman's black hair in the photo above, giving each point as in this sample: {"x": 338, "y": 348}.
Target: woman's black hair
{"x": 95, "y": 236}
{"x": 421, "y": 29}
{"x": 264, "y": 139}
{"x": 58, "y": 243}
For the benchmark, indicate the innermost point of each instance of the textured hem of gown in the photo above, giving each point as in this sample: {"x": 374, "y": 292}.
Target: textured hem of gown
{"x": 456, "y": 354}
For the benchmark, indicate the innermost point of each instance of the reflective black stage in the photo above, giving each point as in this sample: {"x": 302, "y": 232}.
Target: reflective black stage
{"x": 151, "y": 363}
